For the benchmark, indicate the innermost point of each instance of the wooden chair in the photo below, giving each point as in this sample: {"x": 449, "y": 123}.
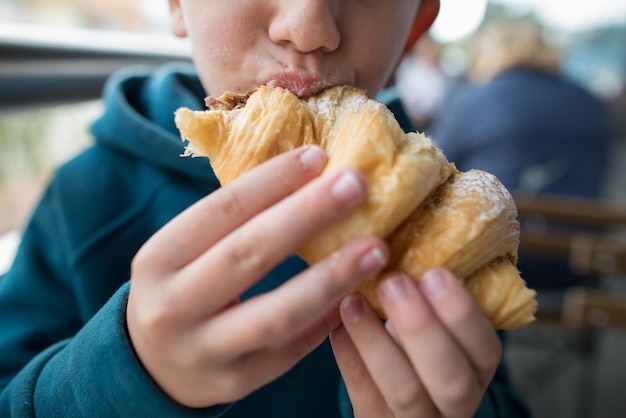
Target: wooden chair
{"x": 594, "y": 308}
{"x": 600, "y": 252}
{"x": 593, "y": 244}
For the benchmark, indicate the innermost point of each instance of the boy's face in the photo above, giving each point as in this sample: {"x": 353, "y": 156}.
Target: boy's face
{"x": 302, "y": 45}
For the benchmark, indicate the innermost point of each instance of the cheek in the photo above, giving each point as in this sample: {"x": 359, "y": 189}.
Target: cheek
{"x": 214, "y": 45}
{"x": 218, "y": 57}
{"x": 377, "y": 50}
{"x": 223, "y": 52}
{"x": 376, "y": 63}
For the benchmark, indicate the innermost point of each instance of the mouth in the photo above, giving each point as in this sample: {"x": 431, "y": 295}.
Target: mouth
{"x": 302, "y": 84}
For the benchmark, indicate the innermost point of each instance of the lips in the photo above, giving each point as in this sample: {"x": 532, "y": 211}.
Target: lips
{"x": 302, "y": 84}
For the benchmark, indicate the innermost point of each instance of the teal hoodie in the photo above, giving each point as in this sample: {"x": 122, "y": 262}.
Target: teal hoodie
{"x": 64, "y": 348}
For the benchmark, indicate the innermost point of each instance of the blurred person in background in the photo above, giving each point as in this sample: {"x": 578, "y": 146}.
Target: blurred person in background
{"x": 521, "y": 120}
{"x": 421, "y": 83}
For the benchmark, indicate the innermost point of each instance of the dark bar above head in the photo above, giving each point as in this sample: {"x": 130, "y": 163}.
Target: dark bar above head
{"x": 41, "y": 66}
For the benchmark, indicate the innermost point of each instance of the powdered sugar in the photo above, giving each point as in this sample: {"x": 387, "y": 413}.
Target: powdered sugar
{"x": 496, "y": 198}
{"x": 322, "y": 106}
{"x": 333, "y": 100}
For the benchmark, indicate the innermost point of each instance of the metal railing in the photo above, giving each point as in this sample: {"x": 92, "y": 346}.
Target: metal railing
{"x": 52, "y": 65}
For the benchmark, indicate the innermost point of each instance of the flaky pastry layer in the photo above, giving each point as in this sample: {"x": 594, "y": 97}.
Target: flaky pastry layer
{"x": 429, "y": 213}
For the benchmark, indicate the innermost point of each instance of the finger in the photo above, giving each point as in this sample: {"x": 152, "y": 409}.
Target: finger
{"x": 247, "y": 254}
{"x": 441, "y": 363}
{"x": 365, "y": 397}
{"x": 456, "y": 309}
{"x": 385, "y": 361}
{"x": 242, "y": 375}
{"x": 267, "y": 364}
{"x": 273, "y": 317}
{"x": 200, "y": 226}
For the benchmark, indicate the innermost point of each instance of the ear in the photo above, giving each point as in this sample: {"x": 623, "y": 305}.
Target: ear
{"x": 426, "y": 14}
{"x": 177, "y": 20}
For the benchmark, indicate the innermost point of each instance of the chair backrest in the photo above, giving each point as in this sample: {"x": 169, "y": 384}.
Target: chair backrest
{"x": 590, "y": 235}
{"x": 594, "y": 308}
{"x": 594, "y": 241}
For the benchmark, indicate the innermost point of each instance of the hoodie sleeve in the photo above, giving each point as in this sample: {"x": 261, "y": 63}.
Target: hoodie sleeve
{"x": 56, "y": 361}
{"x": 95, "y": 373}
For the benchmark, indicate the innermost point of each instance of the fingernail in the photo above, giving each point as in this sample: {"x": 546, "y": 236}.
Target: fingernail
{"x": 394, "y": 287}
{"x": 434, "y": 283}
{"x": 352, "y": 306}
{"x": 372, "y": 261}
{"x": 348, "y": 187}
{"x": 312, "y": 158}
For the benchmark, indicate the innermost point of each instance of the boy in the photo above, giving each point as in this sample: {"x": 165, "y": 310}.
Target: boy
{"x": 211, "y": 326}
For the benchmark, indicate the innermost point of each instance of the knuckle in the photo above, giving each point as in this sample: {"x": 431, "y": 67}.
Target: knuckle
{"x": 419, "y": 323}
{"x": 232, "y": 382}
{"x": 156, "y": 318}
{"x": 154, "y": 261}
{"x": 358, "y": 373}
{"x": 460, "y": 312}
{"x": 406, "y": 396}
{"x": 138, "y": 264}
{"x": 333, "y": 273}
{"x": 338, "y": 272}
{"x": 148, "y": 259}
{"x": 459, "y": 392}
{"x": 228, "y": 202}
{"x": 278, "y": 326}
{"x": 249, "y": 255}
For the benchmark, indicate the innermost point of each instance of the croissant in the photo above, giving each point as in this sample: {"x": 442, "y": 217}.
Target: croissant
{"x": 429, "y": 213}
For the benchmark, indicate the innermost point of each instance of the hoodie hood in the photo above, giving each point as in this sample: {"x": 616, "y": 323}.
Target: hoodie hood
{"x": 139, "y": 116}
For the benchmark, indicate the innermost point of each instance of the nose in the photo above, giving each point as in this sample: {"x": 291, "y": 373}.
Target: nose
{"x": 308, "y": 25}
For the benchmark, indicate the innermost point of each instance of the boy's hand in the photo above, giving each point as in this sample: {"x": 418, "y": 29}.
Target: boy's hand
{"x": 434, "y": 357}
{"x": 195, "y": 337}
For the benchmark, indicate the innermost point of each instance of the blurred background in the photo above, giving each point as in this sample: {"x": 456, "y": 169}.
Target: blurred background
{"x": 56, "y": 54}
